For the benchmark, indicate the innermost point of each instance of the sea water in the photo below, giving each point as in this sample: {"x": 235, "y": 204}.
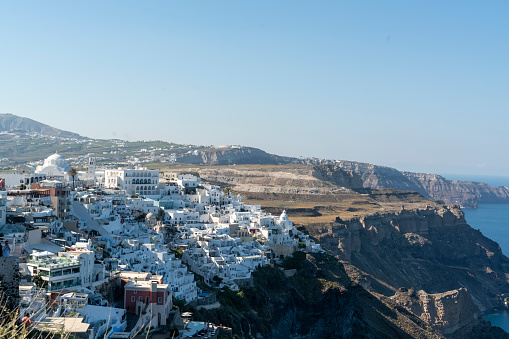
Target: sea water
{"x": 493, "y": 221}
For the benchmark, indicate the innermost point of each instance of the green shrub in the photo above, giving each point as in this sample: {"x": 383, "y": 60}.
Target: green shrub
{"x": 294, "y": 262}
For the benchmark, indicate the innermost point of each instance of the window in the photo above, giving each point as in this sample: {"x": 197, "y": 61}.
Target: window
{"x": 140, "y": 298}
{"x": 132, "y": 299}
{"x": 159, "y": 300}
{"x": 135, "y": 292}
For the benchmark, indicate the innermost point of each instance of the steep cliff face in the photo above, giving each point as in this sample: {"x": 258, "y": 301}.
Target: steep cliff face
{"x": 338, "y": 176}
{"x": 457, "y": 271}
{"x": 453, "y": 313}
{"x": 319, "y": 301}
{"x": 376, "y": 177}
{"x": 302, "y": 179}
{"x": 466, "y": 193}
{"x": 432, "y": 250}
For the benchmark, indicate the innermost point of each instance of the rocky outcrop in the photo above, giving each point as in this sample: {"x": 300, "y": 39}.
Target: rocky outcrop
{"x": 301, "y": 179}
{"x": 453, "y": 313}
{"x": 432, "y": 250}
{"x": 318, "y": 301}
{"x": 465, "y": 193}
{"x": 338, "y": 176}
{"x": 457, "y": 271}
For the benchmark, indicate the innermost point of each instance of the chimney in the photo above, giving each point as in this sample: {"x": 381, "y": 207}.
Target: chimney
{"x": 153, "y": 292}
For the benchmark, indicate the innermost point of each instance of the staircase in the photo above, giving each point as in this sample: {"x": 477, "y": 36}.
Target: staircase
{"x": 131, "y": 319}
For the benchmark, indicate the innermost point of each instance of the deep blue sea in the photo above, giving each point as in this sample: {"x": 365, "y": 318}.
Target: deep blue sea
{"x": 493, "y": 221}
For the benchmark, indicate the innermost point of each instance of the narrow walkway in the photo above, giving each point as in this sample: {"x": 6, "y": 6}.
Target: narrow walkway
{"x": 132, "y": 319}
{"x": 81, "y": 213}
{"x": 210, "y": 306}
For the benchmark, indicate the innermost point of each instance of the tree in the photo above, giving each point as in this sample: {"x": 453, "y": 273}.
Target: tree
{"x": 72, "y": 173}
{"x": 160, "y": 214}
{"x": 39, "y": 282}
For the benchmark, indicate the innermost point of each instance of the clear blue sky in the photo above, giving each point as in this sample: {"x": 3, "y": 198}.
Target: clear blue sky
{"x": 421, "y": 86}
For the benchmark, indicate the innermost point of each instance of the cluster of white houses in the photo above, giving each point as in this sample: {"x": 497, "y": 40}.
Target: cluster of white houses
{"x": 131, "y": 229}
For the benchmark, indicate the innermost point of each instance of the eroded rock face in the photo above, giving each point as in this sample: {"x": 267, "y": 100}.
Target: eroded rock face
{"x": 432, "y": 250}
{"x": 466, "y": 193}
{"x": 320, "y": 179}
{"x": 318, "y": 301}
{"x": 386, "y": 226}
{"x": 453, "y": 313}
{"x": 338, "y": 176}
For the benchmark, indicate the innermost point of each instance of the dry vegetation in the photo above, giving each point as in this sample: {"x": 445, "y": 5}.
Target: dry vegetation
{"x": 257, "y": 184}
{"x": 306, "y": 209}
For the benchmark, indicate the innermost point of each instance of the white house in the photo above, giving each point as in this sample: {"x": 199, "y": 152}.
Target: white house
{"x": 139, "y": 181}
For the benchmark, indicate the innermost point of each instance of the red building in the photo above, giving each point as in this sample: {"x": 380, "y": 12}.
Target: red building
{"x": 142, "y": 297}
{"x": 59, "y": 195}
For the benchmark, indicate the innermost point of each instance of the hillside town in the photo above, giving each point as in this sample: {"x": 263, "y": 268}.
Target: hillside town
{"x": 115, "y": 252}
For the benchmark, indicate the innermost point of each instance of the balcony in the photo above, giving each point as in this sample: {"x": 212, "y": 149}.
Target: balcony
{"x": 53, "y": 263}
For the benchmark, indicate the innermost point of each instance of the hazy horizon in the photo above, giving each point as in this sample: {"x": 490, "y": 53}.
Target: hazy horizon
{"x": 416, "y": 86}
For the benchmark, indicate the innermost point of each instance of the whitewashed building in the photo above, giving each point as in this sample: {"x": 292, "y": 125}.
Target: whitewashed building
{"x": 139, "y": 181}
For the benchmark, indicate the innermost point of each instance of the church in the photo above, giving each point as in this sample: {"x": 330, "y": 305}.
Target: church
{"x": 54, "y": 166}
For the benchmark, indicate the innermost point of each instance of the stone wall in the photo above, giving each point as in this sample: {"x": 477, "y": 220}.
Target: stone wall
{"x": 9, "y": 282}
{"x": 282, "y": 250}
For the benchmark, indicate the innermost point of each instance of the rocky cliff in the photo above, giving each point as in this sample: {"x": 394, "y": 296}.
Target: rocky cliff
{"x": 453, "y": 313}
{"x": 298, "y": 179}
{"x": 465, "y": 193}
{"x": 318, "y": 301}
{"x": 321, "y": 301}
{"x": 338, "y": 176}
{"x": 432, "y": 250}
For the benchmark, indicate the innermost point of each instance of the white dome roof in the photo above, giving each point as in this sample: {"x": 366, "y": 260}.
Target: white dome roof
{"x": 55, "y": 160}
{"x": 54, "y": 165}
{"x": 55, "y": 157}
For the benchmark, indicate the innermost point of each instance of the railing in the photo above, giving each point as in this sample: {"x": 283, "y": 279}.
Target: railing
{"x": 44, "y": 264}
{"x": 62, "y": 286}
